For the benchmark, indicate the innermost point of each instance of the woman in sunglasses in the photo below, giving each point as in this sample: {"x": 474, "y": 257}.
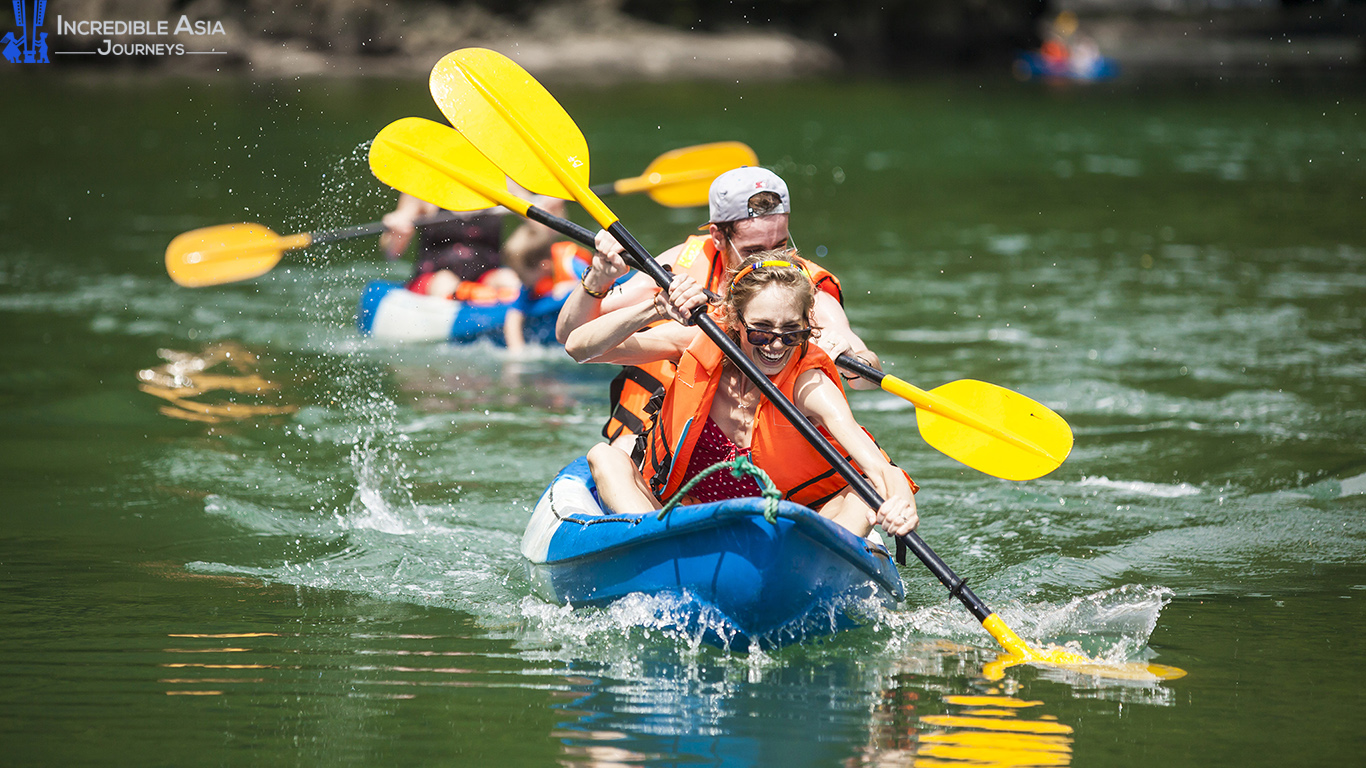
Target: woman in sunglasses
{"x": 713, "y": 413}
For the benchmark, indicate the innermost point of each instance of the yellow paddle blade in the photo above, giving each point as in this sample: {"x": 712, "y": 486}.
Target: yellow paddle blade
{"x": 1018, "y": 652}
{"x": 227, "y": 253}
{"x": 433, "y": 162}
{"x": 989, "y": 428}
{"x": 512, "y": 119}
{"x": 1136, "y": 671}
{"x": 682, "y": 178}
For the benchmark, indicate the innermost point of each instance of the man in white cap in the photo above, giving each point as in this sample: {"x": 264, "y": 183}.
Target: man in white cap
{"x": 749, "y": 210}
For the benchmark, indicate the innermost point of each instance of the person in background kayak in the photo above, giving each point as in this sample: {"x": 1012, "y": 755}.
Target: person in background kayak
{"x": 749, "y": 209}
{"x": 461, "y": 259}
{"x": 546, "y": 267}
{"x": 458, "y": 258}
{"x": 712, "y": 412}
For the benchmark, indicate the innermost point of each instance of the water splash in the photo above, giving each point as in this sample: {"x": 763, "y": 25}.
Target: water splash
{"x": 1112, "y": 625}
{"x": 383, "y": 501}
{"x": 683, "y": 619}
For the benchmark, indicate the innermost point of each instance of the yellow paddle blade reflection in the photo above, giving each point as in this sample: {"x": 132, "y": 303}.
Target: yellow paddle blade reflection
{"x": 477, "y": 90}
{"x": 227, "y": 253}
{"x": 989, "y": 730}
{"x": 183, "y": 381}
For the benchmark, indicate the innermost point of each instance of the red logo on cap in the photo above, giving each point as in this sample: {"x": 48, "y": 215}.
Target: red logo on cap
{"x": 758, "y": 185}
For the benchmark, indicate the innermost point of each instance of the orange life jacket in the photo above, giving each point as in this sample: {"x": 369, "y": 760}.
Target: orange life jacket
{"x": 563, "y": 258}
{"x": 469, "y": 291}
{"x": 799, "y": 472}
{"x": 634, "y": 388}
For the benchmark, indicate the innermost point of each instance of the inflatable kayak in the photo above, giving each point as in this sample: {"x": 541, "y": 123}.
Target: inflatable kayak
{"x": 721, "y": 569}
{"x": 390, "y": 311}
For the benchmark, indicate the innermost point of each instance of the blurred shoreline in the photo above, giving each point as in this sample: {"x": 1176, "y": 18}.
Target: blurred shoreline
{"x": 583, "y": 41}
{"x": 613, "y": 41}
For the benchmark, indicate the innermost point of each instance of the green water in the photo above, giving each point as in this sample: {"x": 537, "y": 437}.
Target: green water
{"x": 1178, "y": 270}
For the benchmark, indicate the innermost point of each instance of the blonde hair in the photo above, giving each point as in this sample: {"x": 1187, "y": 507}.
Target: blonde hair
{"x": 785, "y": 269}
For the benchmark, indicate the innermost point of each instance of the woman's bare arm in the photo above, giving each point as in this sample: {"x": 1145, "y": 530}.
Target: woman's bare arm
{"x": 617, "y": 337}
{"x": 822, "y": 401}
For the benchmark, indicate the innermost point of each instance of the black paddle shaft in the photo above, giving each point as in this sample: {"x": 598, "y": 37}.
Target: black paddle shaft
{"x": 957, "y": 587}
{"x": 563, "y": 226}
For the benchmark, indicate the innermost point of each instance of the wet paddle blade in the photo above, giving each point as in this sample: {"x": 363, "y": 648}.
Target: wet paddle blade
{"x": 491, "y": 100}
{"x": 1042, "y": 441}
{"x": 682, "y": 177}
{"x": 1019, "y": 652}
{"x": 227, "y": 253}
{"x": 432, "y": 162}
{"x": 1134, "y": 671}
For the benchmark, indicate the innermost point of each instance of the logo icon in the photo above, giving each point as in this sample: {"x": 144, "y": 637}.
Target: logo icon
{"x": 30, "y": 47}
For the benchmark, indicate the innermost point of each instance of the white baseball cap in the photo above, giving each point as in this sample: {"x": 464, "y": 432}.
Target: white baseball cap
{"x": 730, "y": 193}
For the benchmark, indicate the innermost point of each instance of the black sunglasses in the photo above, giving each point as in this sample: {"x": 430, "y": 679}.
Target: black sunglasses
{"x": 789, "y": 338}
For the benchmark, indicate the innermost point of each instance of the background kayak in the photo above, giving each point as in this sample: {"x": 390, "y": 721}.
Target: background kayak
{"x": 390, "y": 311}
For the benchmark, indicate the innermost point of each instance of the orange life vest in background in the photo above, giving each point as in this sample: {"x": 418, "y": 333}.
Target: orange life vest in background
{"x": 470, "y": 291}
{"x": 634, "y": 388}
{"x": 799, "y": 472}
{"x": 563, "y": 256}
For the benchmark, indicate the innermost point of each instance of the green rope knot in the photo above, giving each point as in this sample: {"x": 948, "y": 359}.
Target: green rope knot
{"x": 739, "y": 467}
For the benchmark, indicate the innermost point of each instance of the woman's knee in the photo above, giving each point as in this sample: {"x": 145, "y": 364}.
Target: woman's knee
{"x": 604, "y": 460}
{"x": 848, "y": 510}
{"x": 603, "y": 455}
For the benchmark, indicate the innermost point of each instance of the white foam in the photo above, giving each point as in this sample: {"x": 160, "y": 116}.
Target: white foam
{"x": 1141, "y": 488}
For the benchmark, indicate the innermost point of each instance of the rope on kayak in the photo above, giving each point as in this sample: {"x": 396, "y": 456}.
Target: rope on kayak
{"x": 739, "y": 467}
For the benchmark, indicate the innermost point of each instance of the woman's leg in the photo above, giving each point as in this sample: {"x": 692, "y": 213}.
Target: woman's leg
{"x": 848, "y": 510}
{"x": 621, "y": 487}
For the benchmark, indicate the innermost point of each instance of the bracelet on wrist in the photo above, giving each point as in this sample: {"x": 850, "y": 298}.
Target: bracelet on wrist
{"x": 583, "y": 283}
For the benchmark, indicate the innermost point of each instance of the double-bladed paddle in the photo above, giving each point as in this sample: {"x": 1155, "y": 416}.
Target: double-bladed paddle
{"x": 987, "y": 427}
{"x": 229, "y": 253}
{"x": 519, "y": 126}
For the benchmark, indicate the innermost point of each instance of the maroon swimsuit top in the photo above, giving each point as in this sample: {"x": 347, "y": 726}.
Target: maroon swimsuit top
{"x": 712, "y": 447}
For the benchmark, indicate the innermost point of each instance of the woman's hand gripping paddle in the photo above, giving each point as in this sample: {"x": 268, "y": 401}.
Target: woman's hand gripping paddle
{"x": 518, "y": 125}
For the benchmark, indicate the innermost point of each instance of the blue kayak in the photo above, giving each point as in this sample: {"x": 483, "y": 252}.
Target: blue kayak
{"x": 722, "y": 569}
{"x": 1034, "y": 66}
{"x": 390, "y": 311}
